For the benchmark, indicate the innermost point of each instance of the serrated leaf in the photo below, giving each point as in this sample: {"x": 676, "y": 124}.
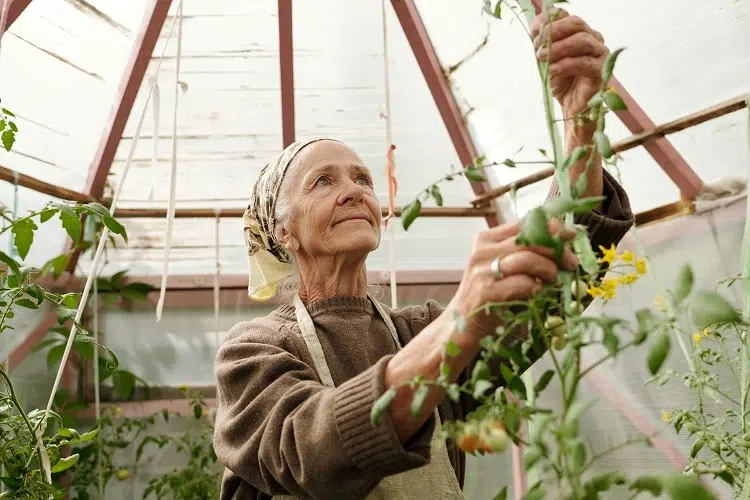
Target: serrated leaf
{"x": 481, "y": 387}
{"x": 480, "y": 371}
{"x": 614, "y": 101}
{"x": 602, "y": 144}
{"x": 96, "y": 208}
{"x": 709, "y": 308}
{"x": 64, "y": 314}
{"x": 381, "y": 405}
{"x": 10, "y": 262}
{"x": 473, "y": 174}
{"x": 584, "y": 252}
{"x": 70, "y": 300}
{"x": 543, "y": 381}
{"x": 451, "y": 349}
{"x": 564, "y": 204}
{"x": 609, "y": 64}
{"x": 658, "y": 352}
{"x": 534, "y": 229}
{"x": 8, "y": 138}
{"x": 57, "y": 264}
{"x": 115, "y": 227}
{"x": 436, "y": 195}
{"x": 684, "y": 283}
{"x": 65, "y": 463}
{"x": 71, "y": 222}
{"x": 23, "y": 236}
{"x": 410, "y": 213}
{"x": 418, "y": 399}
{"x": 28, "y": 304}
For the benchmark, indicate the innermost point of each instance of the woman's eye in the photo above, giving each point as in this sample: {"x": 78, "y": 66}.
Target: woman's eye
{"x": 322, "y": 182}
{"x": 363, "y": 180}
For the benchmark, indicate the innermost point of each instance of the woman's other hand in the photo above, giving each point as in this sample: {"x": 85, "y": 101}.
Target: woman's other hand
{"x": 523, "y": 270}
{"x": 575, "y": 60}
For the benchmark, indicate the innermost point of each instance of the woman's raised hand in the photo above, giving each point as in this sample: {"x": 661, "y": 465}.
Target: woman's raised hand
{"x": 500, "y": 270}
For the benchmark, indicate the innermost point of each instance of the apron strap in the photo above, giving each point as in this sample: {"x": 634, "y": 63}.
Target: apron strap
{"x": 307, "y": 328}
{"x": 310, "y": 336}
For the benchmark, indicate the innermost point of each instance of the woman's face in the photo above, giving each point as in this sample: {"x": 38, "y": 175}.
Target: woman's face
{"x": 334, "y": 209}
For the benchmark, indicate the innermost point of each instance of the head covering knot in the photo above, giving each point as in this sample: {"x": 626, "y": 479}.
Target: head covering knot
{"x": 268, "y": 261}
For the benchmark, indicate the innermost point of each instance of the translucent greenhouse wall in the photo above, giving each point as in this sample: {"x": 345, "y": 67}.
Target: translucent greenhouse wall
{"x": 180, "y": 350}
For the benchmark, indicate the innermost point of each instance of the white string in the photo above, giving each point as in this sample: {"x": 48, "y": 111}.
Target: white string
{"x": 155, "y": 145}
{"x": 3, "y": 20}
{"x": 173, "y": 174}
{"x": 97, "y": 398}
{"x": 89, "y": 280}
{"x": 389, "y": 141}
{"x": 217, "y": 297}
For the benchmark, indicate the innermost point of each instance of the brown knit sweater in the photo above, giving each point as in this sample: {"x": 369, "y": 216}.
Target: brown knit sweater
{"x": 280, "y": 431}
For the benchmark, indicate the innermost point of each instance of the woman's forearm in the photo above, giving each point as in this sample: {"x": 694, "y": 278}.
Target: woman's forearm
{"x": 422, "y": 356}
{"x": 576, "y": 136}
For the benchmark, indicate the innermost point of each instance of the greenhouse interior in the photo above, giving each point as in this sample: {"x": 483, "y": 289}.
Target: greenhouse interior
{"x": 211, "y": 226}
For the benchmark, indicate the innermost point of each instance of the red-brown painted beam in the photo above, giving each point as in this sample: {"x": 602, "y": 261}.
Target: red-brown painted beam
{"x": 286, "y": 66}
{"x": 143, "y": 48}
{"x": 437, "y": 82}
{"x": 15, "y": 9}
{"x": 661, "y": 150}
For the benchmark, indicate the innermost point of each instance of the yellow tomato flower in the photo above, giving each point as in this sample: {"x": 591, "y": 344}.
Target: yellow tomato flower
{"x": 697, "y": 338}
{"x": 627, "y": 279}
{"x": 595, "y": 291}
{"x": 118, "y": 411}
{"x": 627, "y": 256}
{"x": 666, "y": 416}
{"x": 609, "y": 254}
{"x": 706, "y": 332}
{"x": 640, "y": 266}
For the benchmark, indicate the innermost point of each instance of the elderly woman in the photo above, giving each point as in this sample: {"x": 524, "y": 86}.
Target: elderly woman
{"x": 295, "y": 388}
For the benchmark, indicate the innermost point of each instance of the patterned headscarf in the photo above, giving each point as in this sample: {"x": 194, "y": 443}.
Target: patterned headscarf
{"x": 268, "y": 261}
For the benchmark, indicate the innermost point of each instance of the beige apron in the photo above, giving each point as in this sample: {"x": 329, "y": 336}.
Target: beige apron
{"x": 434, "y": 481}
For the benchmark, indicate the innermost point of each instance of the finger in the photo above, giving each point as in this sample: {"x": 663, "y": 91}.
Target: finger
{"x": 587, "y": 66}
{"x": 558, "y": 30}
{"x": 529, "y": 263}
{"x": 488, "y": 252}
{"x": 545, "y": 17}
{"x": 505, "y": 231}
{"x": 578, "y": 44}
{"x": 517, "y": 287}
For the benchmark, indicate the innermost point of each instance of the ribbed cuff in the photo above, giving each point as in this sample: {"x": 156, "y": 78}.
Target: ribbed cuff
{"x": 614, "y": 220}
{"x": 376, "y": 450}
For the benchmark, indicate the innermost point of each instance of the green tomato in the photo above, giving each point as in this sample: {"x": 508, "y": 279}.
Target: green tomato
{"x": 559, "y": 343}
{"x": 579, "y": 289}
{"x": 494, "y": 437}
{"x": 576, "y": 308}
{"x": 122, "y": 474}
{"x": 555, "y": 325}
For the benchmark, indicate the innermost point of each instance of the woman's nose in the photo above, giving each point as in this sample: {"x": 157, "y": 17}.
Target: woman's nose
{"x": 351, "y": 193}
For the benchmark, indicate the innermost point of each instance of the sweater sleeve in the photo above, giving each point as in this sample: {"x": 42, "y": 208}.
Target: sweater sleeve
{"x": 283, "y": 432}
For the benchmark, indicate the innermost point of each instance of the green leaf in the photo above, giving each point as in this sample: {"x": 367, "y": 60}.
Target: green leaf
{"x": 561, "y": 205}
{"x": 65, "y": 463}
{"x": 451, "y": 349}
{"x": 481, "y": 387}
{"x": 658, "y": 352}
{"x": 136, "y": 291}
{"x": 114, "y": 226}
{"x": 8, "y": 138}
{"x": 36, "y": 292}
{"x": 64, "y": 314}
{"x": 10, "y": 262}
{"x": 535, "y": 494}
{"x": 44, "y": 343}
{"x": 646, "y": 323}
{"x": 124, "y": 383}
{"x": 480, "y": 371}
{"x": 13, "y": 126}
{"x": 418, "y": 399}
{"x": 581, "y": 183}
{"x": 577, "y": 456}
{"x": 28, "y": 304}
{"x": 681, "y": 487}
{"x": 584, "y": 252}
{"x": 709, "y": 308}
{"x": 54, "y": 355}
{"x": 11, "y": 482}
{"x": 381, "y": 405}
{"x": 47, "y": 214}
{"x": 70, "y": 300}
{"x": 531, "y": 456}
{"x": 97, "y": 208}
{"x": 85, "y": 349}
{"x": 614, "y": 101}
{"x": 8, "y": 112}
{"x": 473, "y": 174}
{"x": 57, "y": 264}
{"x": 71, "y": 221}
{"x": 697, "y": 446}
{"x": 603, "y": 482}
{"x": 454, "y": 392}
{"x": 684, "y": 283}
{"x": 602, "y": 144}
{"x": 23, "y": 236}
{"x": 498, "y": 9}
{"x": 650, "y": 484}
{"x": 726, "y": 476}
{"x": 436, "y": 195}
{"x": 410, "y": 213}
{"x": 576, "y": 411}
{"x": 502, "y": 494}
{"x": 609, "y": 65}
{"x": 535, "y": 229}
{"x": 509, "y": 163}
{"x": 611, "y": 341}
{"x": 578, "y": 153}
{"x": 543, "y": 381}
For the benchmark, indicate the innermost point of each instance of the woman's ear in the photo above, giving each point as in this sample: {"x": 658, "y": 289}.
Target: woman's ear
{"x": 287, "y": 239}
